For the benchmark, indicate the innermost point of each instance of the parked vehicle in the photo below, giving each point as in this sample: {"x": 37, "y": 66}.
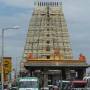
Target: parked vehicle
{"x": 87, "y": 78}
{"x": 78, "y": 85}
{"x": 28, "y": 83}
{"x": 73, "y": 85}
{"x": 64, "y": 85}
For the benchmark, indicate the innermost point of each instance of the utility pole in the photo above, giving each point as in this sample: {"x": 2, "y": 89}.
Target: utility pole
{"x": 2, "y": 55}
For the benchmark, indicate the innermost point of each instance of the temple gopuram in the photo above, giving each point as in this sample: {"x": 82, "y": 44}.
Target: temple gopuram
{"x": 47, "y": 52}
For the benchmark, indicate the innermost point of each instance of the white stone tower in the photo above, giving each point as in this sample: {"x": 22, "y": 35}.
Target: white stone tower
{"x": 48, "y": 32}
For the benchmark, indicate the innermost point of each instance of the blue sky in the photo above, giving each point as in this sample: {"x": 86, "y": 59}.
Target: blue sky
{"x": 18, "y": 13}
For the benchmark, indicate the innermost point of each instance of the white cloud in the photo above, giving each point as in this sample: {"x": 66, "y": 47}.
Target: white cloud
{"x": 14, "y": 39}
{"x": 19, "y": 3}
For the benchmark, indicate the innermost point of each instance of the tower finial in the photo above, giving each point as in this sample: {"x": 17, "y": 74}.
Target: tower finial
{"x": 47, "y": 3}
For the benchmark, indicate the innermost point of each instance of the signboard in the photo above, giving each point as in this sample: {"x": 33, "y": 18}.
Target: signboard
{"x": 7, "y": 65}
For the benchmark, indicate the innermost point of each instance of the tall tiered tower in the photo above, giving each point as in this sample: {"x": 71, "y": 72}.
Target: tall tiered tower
{"x": 48, "y": 33}
{"x": 47, "y": 52}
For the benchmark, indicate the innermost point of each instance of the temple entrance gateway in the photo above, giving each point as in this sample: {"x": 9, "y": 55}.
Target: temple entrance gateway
{"x": 51, "y": 75}
{"x": 47, "y": 52}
